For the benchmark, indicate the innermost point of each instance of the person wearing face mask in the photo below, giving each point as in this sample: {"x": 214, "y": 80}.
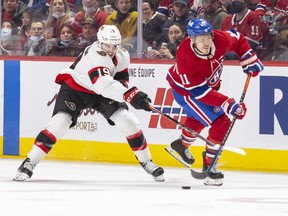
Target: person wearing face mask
{"x": 10, "y": 43}
{"x": 37, "y": 45}
{"x": 59, "y": 13}
{"x": 245, "y": 21}
{"x": 90, "y": 9}
{"x": 66, "y": 44}
{"x": 214, "y": 12}
{"x": 73, "y": 4}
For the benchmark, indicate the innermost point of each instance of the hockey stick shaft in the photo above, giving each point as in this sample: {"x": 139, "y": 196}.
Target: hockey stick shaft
{"x": 229, "y": 148}
{"x": 202, "y": 175}
{"x": 182, "y": 125}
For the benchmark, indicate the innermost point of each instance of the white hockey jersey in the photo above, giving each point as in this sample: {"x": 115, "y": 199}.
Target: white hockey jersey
{"x": 94, "y": 71}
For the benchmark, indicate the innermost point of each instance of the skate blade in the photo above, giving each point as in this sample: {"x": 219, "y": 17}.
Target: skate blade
{"x": 213, "y": 182}
{"x": 159, "y": 178}
{"x": 20, "y": 177}
{"x": 177, "y": 156}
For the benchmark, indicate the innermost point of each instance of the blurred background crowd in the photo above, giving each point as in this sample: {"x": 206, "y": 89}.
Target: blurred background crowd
{"x": 149, "y": 28}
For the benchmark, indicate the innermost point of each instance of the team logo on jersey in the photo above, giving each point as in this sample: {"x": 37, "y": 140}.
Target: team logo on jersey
{"x": 214, "y": 79}
{"x": 70, "y": 105}
{"x": 217, "y": 109}
{"x": 102, "y": 53}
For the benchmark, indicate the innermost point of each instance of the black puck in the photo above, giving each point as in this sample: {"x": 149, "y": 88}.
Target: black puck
{"x": 186, "y": 187}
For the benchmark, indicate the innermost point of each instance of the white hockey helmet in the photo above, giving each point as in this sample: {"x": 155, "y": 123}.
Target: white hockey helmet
{"x": 109, "y": 34}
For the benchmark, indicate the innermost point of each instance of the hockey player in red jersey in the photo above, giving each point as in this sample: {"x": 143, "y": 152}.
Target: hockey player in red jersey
{"x": 98, "y": 79}
{"x": 195, "y": 80}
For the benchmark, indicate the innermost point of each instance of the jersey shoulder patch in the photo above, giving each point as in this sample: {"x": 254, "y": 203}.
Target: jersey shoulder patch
{"x": 102, "y": 53}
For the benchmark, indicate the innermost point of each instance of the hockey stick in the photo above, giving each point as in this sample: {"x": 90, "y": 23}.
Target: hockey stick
{"x": 228, "y": 148}
{"x": 203, "y": 175}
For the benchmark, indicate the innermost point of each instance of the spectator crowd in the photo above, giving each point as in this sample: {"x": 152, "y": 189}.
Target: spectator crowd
{"x": 66, "y": 27}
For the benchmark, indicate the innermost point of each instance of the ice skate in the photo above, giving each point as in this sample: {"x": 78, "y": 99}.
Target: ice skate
{"x": 215, "y": 177}
{"x": 151, "y": 168}
{"x": 180, "y": 152}
{"x": 25, "y": 170}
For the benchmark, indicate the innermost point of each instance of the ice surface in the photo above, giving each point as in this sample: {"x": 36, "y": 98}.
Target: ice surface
{"x": 79, "y": 188}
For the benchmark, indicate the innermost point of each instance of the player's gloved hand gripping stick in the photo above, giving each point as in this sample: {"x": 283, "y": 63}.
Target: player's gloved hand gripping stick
{"x": 204, "y": 174}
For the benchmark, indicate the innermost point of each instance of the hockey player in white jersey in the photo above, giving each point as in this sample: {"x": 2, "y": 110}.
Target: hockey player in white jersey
{"x": 98, "y": 79}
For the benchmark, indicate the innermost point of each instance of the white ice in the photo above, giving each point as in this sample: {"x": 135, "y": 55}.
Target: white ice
{"x": 81, "y": 189}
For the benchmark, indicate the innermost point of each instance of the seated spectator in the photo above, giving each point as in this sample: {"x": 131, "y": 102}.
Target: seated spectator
{"x": 66, "y": 45}
{"x": 39, "y": 8}
{"x": 89, "y": 33}
{"x": 280, "y": 52}
{"x": 214, "y": 12}
{"x": 73, "y": 5}
{"x": 12, "y": 10}
{"x": 90, "y": 9}
{"x": 59, "y": 13}
{"x": 166, "y": 7}
{"x": 181, "y": 16}
{"x": 37, "y": 45}
{"x": 152, "y": 25}
{"x": 9, "y": 40}
{"x": 24, "y": 30}
{"x": 168, "y": 51}
{"x": 245, "y": 21}
{"x": 125, "y": 19}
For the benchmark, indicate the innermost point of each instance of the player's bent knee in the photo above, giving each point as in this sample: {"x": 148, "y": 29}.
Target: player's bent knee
{"x": 219, "y": 128}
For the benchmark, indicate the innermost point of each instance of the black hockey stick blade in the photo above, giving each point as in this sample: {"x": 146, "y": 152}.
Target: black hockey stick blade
{"x": 199, "y": 175}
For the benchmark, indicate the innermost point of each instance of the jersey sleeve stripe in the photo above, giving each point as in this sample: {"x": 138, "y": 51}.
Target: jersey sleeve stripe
{"x": 122, "y": 75}
{"x": 93, "y": 75}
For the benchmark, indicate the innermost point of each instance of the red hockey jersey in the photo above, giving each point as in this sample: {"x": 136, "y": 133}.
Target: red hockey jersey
{"x": 250, "y": 25}
{"x": 199, "y": 75}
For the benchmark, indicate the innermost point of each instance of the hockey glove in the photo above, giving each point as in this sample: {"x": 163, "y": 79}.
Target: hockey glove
{"x": 234, "y": 109}
{"x": 137, "y": 98}
{"x": 251, "y": 64}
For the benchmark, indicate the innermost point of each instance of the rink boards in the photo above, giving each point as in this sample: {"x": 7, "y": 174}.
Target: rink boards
{"x": 28, "y": 97}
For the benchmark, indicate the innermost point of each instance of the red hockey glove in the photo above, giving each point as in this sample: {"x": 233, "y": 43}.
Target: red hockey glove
{"x": 234, "y": 109}
{"x": 137, "y": 98}
{"x": 251, "y": 64}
